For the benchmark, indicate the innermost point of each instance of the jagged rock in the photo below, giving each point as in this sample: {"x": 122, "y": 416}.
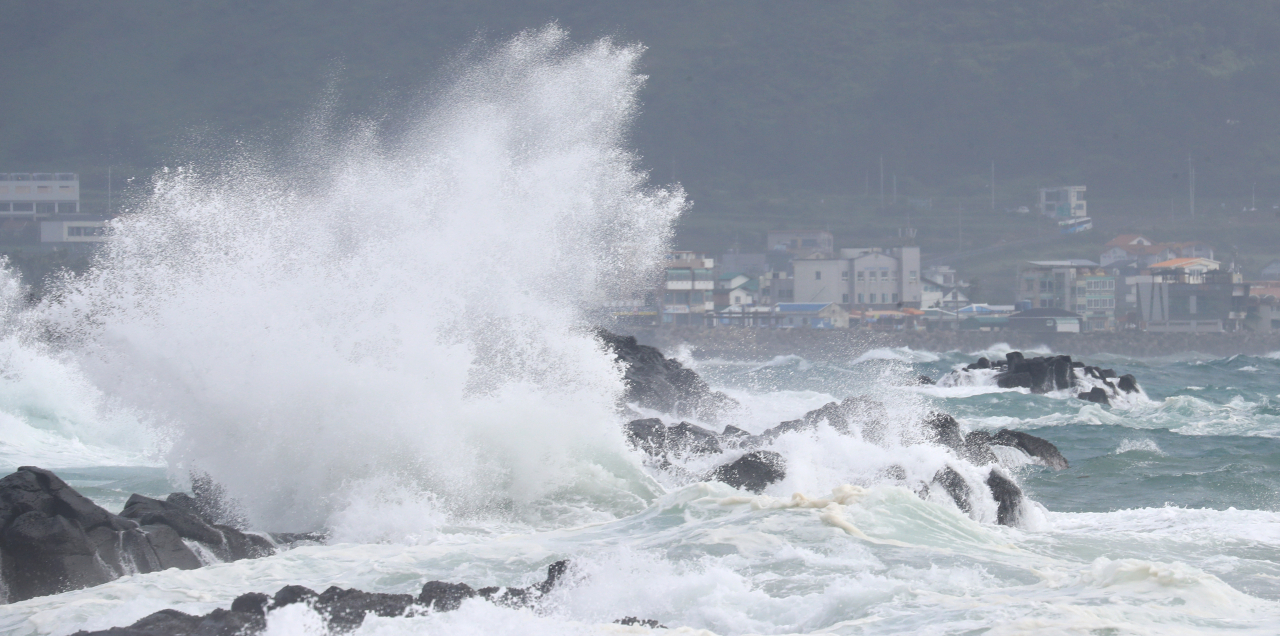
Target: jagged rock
{"x": 977, "y": 448}
{"x": 632, "y": 621}
{"x": 753, "y": 471}
{"x": 832, "y": 413}
{"x": 685, "y": 438}
{"x": 1108, "y": 373}
{"x": 942, "y": 429}
{"x": 657, "y": 382}
{"x": 982, "y": 363}
{"x": 1008, "y": 498}
{"x": 1014, "y": 381}
{"x": 954, "y": 485}
{"x": 342, "y": 609}
{"x": 1128, "y": 383}
{"x": 924, "y": 380}
{"x": 1012, "y": 358}
{"x": 54, "y": 539}
{"x": 1097, "y": 395}
{"x": 788, "y": 427}
{"x": 648, "y": 435}
{"x": 734, "y": 432}
{"x": 228, "y": 543}
{"x": 1039, "y": 448}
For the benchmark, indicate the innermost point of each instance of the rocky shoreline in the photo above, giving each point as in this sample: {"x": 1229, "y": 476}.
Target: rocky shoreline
{"x": 53, "y": 539}
{"x": 737, "y": 343}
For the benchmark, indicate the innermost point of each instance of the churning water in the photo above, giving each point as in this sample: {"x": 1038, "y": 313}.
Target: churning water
{"x": 391, "y": 342}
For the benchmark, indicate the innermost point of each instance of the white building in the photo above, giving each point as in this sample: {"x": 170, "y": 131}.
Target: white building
{"x": 1063, "y": 202}
{"x": 871, "y": 278}
{"x": 39, "y": 194}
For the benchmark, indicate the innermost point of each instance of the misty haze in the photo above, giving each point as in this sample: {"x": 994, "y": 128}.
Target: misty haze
{"x": 559, "y": 317}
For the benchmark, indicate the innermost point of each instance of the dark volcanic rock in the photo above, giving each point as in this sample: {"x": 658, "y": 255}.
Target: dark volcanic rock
{"x": 342, "y": 609}
{"x": 924, "y": 380}
{"x": 1039, "y": 448}
{"x": 657, "y": 382}
{"x": 753, "y": 471}
{"x": 942, "y": 429}
{"x": 1128, "y": 383}
{"x": 982, "y": 363}
{"x": 1097, "y": 395}
{"x": 228, "y": 543}
{"x": 955, "y": 485}
{"x": 685, "y": 438}
{"x": 648, "y": 435}
{"x": 54, "y": 539}
{"x": 1014, "y": 381}
{"x": 977, "y": 448}
{"x": 1008, "y": 498}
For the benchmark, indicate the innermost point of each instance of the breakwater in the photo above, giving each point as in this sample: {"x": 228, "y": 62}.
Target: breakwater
{"x": 736, "y": 343}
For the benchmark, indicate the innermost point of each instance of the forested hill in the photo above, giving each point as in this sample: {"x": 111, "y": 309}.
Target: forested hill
{"x": 741, "y": 95}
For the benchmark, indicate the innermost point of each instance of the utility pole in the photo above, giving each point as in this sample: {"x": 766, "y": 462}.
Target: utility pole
{"x": 993, "y": 186}
{"x": 1191, "y": 170}
{"x": 108, "y": 190}
{"x": 882, "y": 181}
{"x": 895, "y": 189}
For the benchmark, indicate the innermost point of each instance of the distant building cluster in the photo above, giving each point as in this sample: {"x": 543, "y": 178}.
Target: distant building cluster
{"x": 44, "y": 207}
{"x": 803, "y": 280}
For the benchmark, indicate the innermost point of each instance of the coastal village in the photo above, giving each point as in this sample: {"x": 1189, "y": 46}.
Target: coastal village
{"x": 805, "y": 280}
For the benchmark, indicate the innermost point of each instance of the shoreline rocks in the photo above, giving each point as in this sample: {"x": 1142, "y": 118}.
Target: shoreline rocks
{"x": 1045, "y": 374}
{"x": 341, "y": 609}
{"x": 656, "y": 382}
{"x": 53, "y": 539}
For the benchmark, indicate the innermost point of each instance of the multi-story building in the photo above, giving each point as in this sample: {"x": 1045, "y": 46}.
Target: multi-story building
{"x": 39, "y": 194}
{"x": 1142, "y": 252}
{"x": 688, "y": 291}
{"x": 802, "y": 243}
{"x": 1063, "y": 202}
{"x": 777, "y": 286}
{"x": 869, "y": 278}
{"x": 940, "y": 288}
{"x": 1076, "y": 285}
{"x": 1183, "y": 297}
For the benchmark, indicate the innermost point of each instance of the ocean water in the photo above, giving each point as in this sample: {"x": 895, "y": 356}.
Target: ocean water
{"x": 390, "y": 342}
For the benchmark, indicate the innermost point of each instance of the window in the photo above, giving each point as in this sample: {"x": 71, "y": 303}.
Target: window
{"x": 66, "y": 208}
{"x": 895, "y": 298}
{"x": 46, "y": 208}
{"x": 860, "y": 275}
{"x": 817, "y": 275}
{"x": 844, "y": 275}
{"x": 845, "y": 299}
{"x": 22, "y": 189}
{"x": 884, "y": 298}
{"x": 4, "y": 207}
{"x": 912, "y": 276}
{"x": 44, "y": 189}
{"x": 24, "y": 207}
{"x": 1031, "y": 285}
{"x": 860, "y": 300}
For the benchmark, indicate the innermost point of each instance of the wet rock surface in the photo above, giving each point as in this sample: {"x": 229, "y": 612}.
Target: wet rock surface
{"x": 1052, "y": 373}
{"x": 656, "y": 382}
{"x": 342, "y": 609}
{"x": 53, "y": 539}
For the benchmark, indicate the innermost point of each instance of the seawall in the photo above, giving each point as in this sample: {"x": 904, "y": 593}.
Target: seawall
{"x": 736, "y": 343}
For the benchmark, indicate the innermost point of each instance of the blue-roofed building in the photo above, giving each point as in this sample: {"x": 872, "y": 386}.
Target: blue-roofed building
{"x": 809, "y": 315}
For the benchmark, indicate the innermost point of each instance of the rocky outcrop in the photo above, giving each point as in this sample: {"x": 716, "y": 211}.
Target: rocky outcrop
{"x": 1051, "y": 373}
{"x": 1008, "y": 498}
{"x": 343, "y": 610}
{"x": 753, "y": 471}
{"x": 1037, "y": 447}
{"x": 228, "y": 543}
{"x": 656, "y": 382}
{"x": 53, "y": 539}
